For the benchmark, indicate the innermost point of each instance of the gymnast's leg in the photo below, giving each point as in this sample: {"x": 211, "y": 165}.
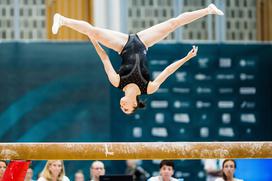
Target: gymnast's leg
{"x": 158, "y": 32}
{"x": 111, "y": 39}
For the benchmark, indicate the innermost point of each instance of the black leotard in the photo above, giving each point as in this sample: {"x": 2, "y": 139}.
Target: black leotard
{"x": 134, "y": 64}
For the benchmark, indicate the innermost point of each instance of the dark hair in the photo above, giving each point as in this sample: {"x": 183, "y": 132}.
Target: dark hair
{"x": 223, "y": 164}
{"x": 169, "y": 163}
{"x": 140, "y": 104}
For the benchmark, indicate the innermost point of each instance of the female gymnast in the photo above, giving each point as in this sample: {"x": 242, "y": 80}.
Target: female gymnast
{"x": 133, "y": 76}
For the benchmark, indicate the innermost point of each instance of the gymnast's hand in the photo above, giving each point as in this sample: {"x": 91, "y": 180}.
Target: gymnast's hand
{"x": 192, "y": 53}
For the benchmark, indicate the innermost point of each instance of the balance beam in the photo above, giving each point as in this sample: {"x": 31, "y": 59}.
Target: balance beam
{"x": 134, "y": 150}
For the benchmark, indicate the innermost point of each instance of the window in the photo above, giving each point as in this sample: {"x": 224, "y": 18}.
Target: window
{"x": 34, "y": 24}
{"x": 21, "y": 12}
{"x": 241, "y": 13}
{"x": 29, "y": 12}
{"x": 8, "y": 23}
{"x": 3, "y": 34}
{"x": 11, "y": 12}
{"x": 164, "y": 13}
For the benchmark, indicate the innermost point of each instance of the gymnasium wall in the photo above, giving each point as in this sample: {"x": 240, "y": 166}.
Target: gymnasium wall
{"x": 58, "y": 92}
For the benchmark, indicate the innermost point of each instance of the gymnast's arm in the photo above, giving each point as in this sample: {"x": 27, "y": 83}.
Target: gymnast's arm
{"x": 113, "y": 77}
{"x": 153, "y": 86}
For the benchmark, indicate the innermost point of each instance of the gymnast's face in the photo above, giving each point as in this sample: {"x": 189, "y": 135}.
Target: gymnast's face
{"x": 166, "y": 172}
{"x": 127, "y": 104}
{"x": 229, "y": 168}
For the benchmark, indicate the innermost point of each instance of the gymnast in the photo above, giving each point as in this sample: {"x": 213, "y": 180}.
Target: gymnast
{"x": 133, "y": 75}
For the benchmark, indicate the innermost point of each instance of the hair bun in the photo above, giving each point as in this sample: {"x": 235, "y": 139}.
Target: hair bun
{"x": 141, "y": 104}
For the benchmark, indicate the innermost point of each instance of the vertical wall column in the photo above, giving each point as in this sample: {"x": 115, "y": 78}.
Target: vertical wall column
{"x": 264, "y": 25}
{"x": 76, "y": 9}
{"x": 107, "y": 14}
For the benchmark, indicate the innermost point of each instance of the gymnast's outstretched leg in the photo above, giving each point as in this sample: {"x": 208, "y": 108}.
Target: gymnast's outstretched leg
{"x": 111, "y": 39}
{"x": 158, "y": 32}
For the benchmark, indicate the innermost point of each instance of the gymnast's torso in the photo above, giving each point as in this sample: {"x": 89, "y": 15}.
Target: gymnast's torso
{"x": 133, "y": 68}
